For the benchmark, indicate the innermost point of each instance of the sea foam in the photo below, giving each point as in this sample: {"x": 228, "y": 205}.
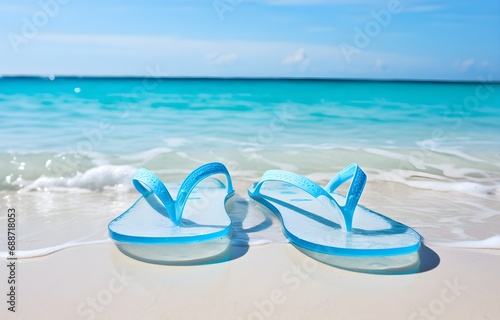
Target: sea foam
{"x": 489, "y": 243}
{"x": 95, "y": 179}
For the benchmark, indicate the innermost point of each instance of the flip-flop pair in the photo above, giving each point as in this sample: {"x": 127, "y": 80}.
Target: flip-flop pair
{"x": 327, "y": 226}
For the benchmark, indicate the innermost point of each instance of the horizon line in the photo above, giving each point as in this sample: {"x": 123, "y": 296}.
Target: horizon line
{"x": 244, "y": 78}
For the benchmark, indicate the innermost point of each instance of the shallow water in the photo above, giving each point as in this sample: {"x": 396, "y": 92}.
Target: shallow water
{"x": 70, "y": 146}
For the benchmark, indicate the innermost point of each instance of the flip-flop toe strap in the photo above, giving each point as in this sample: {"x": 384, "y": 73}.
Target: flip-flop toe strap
{"x": 147, "y": 182}
{"x": 354, "y": 172}
{"x": 344, "y": 212}
{"x": 196, "y": 177}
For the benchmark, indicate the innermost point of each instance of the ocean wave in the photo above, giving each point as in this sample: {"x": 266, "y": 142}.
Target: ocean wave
{"x": 444, "y": 171}
{"x": 489, "y": 243}
{"x": 94, "y": 179}
{"x": 432, "y": 145}
{"x": 28, "y": 254}
{"x": 423, "y": 180}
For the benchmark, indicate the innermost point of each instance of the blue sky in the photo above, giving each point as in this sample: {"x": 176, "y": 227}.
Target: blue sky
{"x": 386, "y": 39}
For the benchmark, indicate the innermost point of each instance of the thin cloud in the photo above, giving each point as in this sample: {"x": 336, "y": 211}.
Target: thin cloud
{"x": 311, "y": 2}
{"x": 188, "y": 57}
{"x": 471, "y": 63}
{"x": 12, "y": 8}
{"x": 380, "y": 65}
{"x": 464, "y": 65}
{"x": 428, "y": 8}
{"x": 321, "y": 29}
{"x": 297, "y": 58}
{"x": 221, "y": 58}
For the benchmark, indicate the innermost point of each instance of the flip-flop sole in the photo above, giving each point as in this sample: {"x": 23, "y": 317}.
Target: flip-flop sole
{"x": 307, "y": 224}
{"x": 145, "y": 231}
{"x": 196, "y": 253}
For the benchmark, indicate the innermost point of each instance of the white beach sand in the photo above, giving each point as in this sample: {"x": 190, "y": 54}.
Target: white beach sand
{"x": 269, "y": 282}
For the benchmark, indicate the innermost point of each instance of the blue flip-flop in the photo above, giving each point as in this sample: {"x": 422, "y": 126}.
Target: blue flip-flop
{"x": 193, "y": 228}
{"x": 334, "y": 228}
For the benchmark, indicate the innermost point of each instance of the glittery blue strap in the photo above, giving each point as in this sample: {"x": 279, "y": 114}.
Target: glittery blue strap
{"x": 147, "y": 182}
{"x": 196, "y": 177}
{"x": 346, "y": 211}
{"x": 354, "y": 172}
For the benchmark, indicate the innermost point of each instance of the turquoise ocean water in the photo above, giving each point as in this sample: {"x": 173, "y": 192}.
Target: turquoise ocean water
{"x": 69, "y": 146}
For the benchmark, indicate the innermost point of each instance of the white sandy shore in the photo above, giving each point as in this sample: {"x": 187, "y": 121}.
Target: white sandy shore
{"x": 273, "y": 281}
